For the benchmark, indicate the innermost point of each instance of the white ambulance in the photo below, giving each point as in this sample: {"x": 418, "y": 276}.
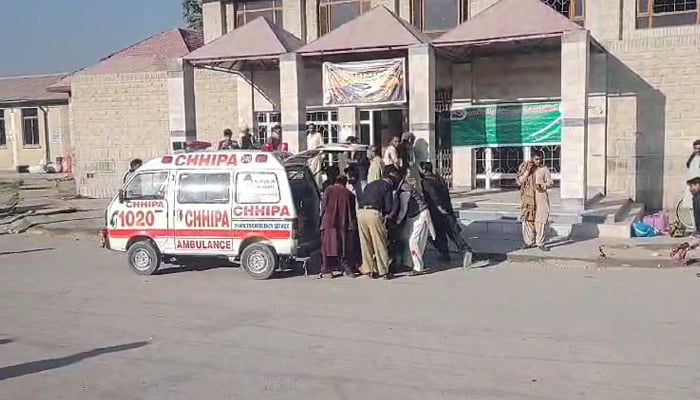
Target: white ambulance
{"x": 257, "y": 208}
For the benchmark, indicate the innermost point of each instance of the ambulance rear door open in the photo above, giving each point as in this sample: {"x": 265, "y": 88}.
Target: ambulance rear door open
{"x": 202, "y": 213}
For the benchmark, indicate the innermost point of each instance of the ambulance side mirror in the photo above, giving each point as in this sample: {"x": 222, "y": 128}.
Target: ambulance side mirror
{"x": 121, "y": 195}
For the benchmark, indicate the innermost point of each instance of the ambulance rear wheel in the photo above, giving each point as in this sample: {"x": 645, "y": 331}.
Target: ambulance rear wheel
{"x": 143, "y": 258}
{"x": 259, "y": 261}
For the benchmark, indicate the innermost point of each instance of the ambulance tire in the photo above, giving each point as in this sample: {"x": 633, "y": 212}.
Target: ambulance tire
{"x": 259, "y": 261}
{"x": 144, "y": 258}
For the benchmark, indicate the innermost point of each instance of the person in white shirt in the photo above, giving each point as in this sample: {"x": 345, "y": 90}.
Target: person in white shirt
{"x": 391, "y": 154}
{"x": 314, "y": 139}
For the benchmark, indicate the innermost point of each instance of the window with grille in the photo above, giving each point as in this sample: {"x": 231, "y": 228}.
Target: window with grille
{"x": 326, "y": 122}
{"x": 572, "y": 9}
{"x": 30, "y": 127}
{"x": 265, "y": 122}
{"x": 333, "y": 13}
{"x": 438, "y": 16}
{"x": 247, "y": 11}
{"x": 660, "y": 13}
{"x": 3, "y": 134}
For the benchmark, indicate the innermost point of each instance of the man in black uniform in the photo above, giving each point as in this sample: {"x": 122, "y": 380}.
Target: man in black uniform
{"x": 446, "y": 226}
{"x": 377, "y": 208}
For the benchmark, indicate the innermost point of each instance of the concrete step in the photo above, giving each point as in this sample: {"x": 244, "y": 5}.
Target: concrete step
{"x": 607, "y": 219}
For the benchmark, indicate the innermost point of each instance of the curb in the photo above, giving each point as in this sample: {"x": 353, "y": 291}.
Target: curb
{"x": 649, "y": 263}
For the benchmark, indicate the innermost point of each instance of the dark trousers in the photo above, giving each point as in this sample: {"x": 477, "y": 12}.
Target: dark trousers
{"x": 447, "y": 228}
{"x": 696, "y": 211}
{"x": 333, "y": 263}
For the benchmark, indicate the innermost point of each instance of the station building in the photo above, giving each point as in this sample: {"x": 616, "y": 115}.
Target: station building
{"x": 606, "y": 89}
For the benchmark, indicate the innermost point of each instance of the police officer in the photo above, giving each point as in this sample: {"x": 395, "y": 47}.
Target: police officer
{"x": 376, "y": 209}
{"x": 447, "y": 228}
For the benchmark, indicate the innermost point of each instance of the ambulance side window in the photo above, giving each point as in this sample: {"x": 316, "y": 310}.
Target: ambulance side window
{"x": 198, "y": 188}
{"x": 147, "y": 186}
{"x": 257, "y": 188}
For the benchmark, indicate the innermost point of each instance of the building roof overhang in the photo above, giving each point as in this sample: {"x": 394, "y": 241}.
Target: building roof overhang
{"x": 257, "y": 43}
{"x": 508, "y": 21}
{"x": 377, "y": 30}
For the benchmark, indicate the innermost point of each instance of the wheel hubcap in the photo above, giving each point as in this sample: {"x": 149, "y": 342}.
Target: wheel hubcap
{"x": 142, "y": 260}
{"x": 257, "y": 262}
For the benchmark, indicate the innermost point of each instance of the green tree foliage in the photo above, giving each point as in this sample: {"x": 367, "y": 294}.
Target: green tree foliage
{"x": 192, "y": 13}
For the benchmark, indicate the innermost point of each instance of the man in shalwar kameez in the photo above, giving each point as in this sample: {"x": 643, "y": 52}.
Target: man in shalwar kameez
{"x": 534, "y": 180}
{"x": 339, "y": 235}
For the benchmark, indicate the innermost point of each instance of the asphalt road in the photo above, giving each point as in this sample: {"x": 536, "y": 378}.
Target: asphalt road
{"x": 75, "y": 323}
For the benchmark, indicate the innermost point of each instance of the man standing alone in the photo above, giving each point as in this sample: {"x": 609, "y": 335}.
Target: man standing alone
{"x": 376, "y": 208}
{"x": 534, "y": 180}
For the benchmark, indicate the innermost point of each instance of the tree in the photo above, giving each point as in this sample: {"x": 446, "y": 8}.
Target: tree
{"x": 192, "y": 13}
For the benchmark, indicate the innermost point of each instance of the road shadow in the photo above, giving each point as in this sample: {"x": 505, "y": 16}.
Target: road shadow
{"x": 9, "y": 253}
{"x": 6, "y": 341}
{"x": 33, "y": 367}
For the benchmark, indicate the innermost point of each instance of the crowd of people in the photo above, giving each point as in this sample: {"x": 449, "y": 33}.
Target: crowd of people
{"x": 378, "y": 216}
{"x": 247, "y": 141}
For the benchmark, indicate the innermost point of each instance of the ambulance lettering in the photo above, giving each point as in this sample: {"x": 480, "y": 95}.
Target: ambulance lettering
{"x": 204, "y": 244}
{"x": 261, "y": 211}
{"x": 145, "y": 204}
{"x": 205, "y": 160}
{"x": 207, "y": 219}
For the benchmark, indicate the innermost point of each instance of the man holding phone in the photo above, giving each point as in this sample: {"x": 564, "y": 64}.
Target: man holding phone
{"x": 534, "y": 180}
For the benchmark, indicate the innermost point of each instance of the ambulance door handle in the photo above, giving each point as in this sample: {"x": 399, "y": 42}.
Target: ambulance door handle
{"x": 158, "y": 211}
{"x": 179, "y": 215}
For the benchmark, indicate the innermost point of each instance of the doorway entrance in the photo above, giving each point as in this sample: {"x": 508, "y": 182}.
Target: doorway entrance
{"x": 378, "y": 126}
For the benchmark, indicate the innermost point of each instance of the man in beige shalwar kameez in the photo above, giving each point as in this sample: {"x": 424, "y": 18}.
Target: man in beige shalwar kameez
{"x": 534, "y": 180}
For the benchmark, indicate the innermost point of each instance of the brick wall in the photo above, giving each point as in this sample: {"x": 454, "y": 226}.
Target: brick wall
{"x": 215, "y": 94}
{"x": 116, "y": 118}
{"x": 654, "y": 115}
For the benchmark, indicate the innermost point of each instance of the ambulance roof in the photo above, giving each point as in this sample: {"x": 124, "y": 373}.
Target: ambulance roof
{"x": 216, "y": 160}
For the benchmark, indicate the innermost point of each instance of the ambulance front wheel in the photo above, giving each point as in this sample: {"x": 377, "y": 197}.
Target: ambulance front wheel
{"x": 144, "y": 258}
{"x": 259, "y": 261}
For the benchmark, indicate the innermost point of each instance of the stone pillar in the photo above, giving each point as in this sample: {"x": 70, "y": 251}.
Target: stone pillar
{"x": 575, "y": 50}
{"x": 181, "y": 102}
{"x": 293, "y": 101}
{"x": 404, "y": 10}
{"x": 213, "y": 19}
{"x": 421, "y": 100}
{"x": 604, "y": 18}
{"x": 230, "y": 17}
{"x": 597, "y": 124}
{"x": 294, "y": 17}
{"x": 348, "y": 116}
{"x": 462, "y": 168}
{"x": 245, "y": 101}
{"x": 312, "y": 21}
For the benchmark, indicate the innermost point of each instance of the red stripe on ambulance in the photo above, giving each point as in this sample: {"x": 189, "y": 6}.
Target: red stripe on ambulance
{"x": 198, "y": 233}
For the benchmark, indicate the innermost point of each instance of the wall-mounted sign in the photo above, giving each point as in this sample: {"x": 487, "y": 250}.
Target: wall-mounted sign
{"x": 56, "y": 136}
{"x": 506, "y": 125}
{"x": 364, "y": 82}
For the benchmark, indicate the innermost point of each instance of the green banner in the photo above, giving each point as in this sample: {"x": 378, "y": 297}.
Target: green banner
{"x": 506, "y": 125}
